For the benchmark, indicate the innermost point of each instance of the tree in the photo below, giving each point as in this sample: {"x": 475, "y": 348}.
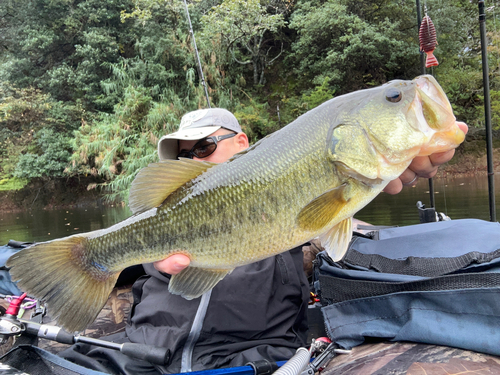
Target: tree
{"x": 354, "y": 43}
{"x": 60, "y": 46}
{"x": 241, "y": 27}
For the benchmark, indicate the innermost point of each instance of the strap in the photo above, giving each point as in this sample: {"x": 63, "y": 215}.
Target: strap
{"x": 336, "y": 289}
{"x": 426, "y": 267}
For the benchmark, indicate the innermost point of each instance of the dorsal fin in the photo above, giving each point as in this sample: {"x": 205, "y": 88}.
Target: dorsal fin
{"x": 157, "y": 181}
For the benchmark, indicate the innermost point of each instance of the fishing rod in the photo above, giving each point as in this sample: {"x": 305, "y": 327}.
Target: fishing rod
{"x": 11, "y": 325}
{"x": 487, "y": 110}
{"x": 423, "y": 70}
{"x": 200, "y": 70}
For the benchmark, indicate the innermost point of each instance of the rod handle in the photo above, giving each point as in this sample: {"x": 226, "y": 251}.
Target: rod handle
{"x": 149, "y": 353}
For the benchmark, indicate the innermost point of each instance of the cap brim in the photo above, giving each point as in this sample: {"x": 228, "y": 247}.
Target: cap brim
{"x": 168, "y": 148}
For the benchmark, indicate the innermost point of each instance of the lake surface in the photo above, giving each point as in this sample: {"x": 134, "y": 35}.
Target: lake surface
{"x": 458, "y": 198}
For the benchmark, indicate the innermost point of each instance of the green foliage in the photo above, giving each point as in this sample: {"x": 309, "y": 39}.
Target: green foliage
{"x": 22, "y": 109}
{"x": 495, "y": 109}
{"x": 255, "y": 120}
{"x": 60, "y": 46}
{"x": 464, "y": 88}
{"x": 115, "y": 147}
{"x": 33, "y": 133}
{"x": 48, "y": 156}
{"x": 12, "y": 183}
{"x": 356, "y": 44}
{"x": 239, "y": 27}
{"x": 319, "y": 95}
{"x": 113, "y": 76}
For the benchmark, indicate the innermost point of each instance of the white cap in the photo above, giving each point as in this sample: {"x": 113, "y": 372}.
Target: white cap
{"x": 196, "y": 125}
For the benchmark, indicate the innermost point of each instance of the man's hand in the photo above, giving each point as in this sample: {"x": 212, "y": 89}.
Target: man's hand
{"x": 422, "y": 166}
{"x": 173, "y": 264}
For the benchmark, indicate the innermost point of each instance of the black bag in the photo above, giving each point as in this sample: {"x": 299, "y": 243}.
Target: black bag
{"x": 435, "y": 283}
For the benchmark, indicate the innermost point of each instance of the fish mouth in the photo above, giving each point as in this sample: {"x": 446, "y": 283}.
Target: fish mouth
{"x": 435, "y": 117}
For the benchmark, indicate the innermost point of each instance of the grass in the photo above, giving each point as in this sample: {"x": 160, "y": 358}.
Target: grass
{"x": 12, "y": 183}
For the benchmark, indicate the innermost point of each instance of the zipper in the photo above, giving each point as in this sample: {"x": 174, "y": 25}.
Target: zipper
{"x": 194, "y": 333}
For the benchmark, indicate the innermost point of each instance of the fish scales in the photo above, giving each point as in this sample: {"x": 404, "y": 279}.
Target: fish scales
{"x": 255, "y": 206}
{"x": 237, "y": 211}
{"x": 306, "y": 180}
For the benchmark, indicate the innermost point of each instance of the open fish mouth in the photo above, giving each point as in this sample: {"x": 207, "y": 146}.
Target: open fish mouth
{"x": 432, "y": 89}
{"x": 435, "y": 117}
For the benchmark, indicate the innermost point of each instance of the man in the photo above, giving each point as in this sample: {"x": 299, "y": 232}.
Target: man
{"x": 256, "y": 312}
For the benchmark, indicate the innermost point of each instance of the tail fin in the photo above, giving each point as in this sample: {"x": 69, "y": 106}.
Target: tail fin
{"x": 56, "y": 272}
{"x": 430, "y": 60}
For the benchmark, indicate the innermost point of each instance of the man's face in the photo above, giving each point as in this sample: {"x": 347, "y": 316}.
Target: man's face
{"x": 225, "y": 148}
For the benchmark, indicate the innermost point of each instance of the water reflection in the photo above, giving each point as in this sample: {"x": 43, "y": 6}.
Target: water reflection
{"x": 457, "y": 198}
{"x": 44, "y": 225}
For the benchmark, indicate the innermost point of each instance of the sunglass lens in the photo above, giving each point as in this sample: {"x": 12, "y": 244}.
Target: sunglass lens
{"x": 205, "y": 148}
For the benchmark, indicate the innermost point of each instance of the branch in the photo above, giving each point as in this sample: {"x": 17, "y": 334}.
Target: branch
{"x": 279, "y": 54}
{"x": 240, "y": 62}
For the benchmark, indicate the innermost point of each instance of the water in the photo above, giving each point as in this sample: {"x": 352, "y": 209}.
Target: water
{"x": 457, "y": 198}
{"x": 44, "y": 225}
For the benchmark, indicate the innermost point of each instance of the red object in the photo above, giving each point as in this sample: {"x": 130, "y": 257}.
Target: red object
{"x": 324, "y": 339}
{"x": 428, "y": 41}
{"x": 15, "y": 305}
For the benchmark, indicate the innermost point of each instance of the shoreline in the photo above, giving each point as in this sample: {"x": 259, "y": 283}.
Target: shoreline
{"x": 7, "y": 204}
{"x": 469, "y": 161}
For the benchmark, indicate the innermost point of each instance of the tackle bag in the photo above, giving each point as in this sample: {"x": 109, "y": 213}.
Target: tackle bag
{"x": 435, "y": 283}
{"x": 7, "y": 286}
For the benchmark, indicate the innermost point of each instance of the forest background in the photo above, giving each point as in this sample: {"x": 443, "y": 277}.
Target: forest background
{"x": 87, "y": 87}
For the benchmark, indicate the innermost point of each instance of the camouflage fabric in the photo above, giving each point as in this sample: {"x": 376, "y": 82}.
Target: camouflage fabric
{"x": 405, "y": 358}
{"x": 310, "y": 251}
{"x": 111, "y": 319}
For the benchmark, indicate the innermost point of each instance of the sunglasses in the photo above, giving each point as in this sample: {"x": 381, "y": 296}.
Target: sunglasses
{"x": 204, "y": 147}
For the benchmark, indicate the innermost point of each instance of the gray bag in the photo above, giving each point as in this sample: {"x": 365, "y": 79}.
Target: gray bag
{"x": 435, "y": 283}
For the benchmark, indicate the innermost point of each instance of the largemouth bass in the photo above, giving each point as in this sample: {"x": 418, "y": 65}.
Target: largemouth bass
{"x": 304, "y": 181}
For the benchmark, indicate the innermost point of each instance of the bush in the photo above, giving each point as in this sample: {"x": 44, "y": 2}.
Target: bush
{"x": 48, "y": 157}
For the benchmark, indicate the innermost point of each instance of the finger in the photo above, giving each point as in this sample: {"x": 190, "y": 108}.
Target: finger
{"x": 408, "y": 178}
{"x": 394, "y": 187}
{"x": 463, "y": 126}
{"x": 173, "y": 264}
{"x": 441, "y": 157}
{"x": 423, "y": 167}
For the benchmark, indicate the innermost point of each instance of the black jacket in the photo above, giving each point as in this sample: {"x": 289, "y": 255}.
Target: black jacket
{"x": 258, "y": 311}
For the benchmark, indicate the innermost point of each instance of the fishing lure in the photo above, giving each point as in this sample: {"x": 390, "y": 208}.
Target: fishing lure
{"x": 428, "y": 41}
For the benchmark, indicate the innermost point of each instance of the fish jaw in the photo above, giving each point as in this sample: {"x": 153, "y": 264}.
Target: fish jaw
{"x": 434, "y": 117}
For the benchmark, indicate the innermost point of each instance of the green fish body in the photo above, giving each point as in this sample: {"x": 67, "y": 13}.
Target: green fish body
{"x": 304, "y": 181}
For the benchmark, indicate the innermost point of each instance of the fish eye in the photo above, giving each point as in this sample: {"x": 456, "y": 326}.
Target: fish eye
{"x": 393, "y": 95}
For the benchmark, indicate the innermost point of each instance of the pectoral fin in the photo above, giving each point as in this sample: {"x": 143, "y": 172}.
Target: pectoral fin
{"x": 321, "y": 210}
{"x": 157, "y": 181}
{"x": 337, "y": 239}
{"x": 192, "y": 282}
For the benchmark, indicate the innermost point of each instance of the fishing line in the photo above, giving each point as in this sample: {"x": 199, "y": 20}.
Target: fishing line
{"x": 444, "y": 198}
{"x": 496, "y": 35}
{"x": 197, "y": 55}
